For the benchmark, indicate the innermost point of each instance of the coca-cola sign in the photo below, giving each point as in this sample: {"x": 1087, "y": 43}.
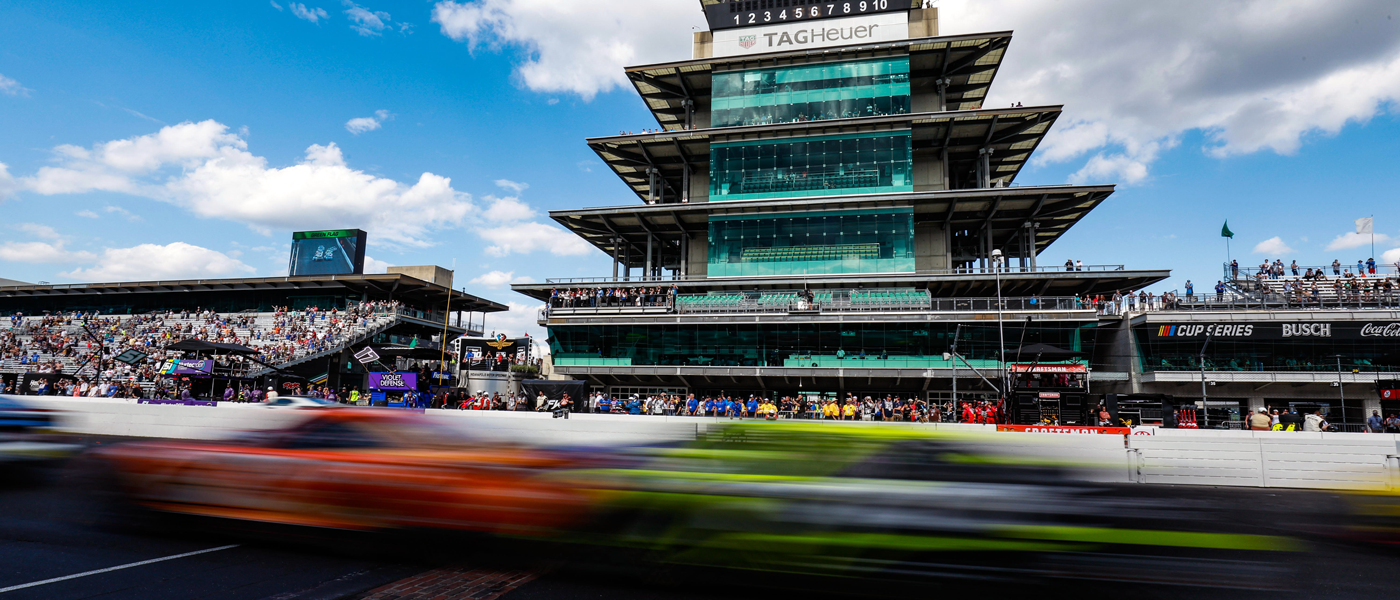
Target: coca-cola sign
{"x": 1385, "y": 330}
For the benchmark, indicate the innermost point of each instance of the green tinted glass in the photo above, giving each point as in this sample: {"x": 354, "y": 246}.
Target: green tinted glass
{"x": 810, "y": 92}
{"x": 873, "y": 241}
{"x": 867, "y": 163}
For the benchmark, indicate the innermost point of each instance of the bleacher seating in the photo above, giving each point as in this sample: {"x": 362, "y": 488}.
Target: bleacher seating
{"x": 277, "y": 348}
{"x": 811, "y": 253}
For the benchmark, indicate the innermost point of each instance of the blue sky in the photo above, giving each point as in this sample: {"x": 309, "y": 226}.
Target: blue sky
{"x": 239, "y": 116}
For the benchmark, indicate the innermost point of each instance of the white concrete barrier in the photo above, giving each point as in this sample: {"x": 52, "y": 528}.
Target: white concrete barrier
{"x": 1166, "y": 456}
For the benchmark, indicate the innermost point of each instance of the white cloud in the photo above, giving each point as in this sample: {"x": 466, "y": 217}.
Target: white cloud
{"x": 8, "y": 185}
{"x": 366, "y": 22}
{"x": 499, "y": 279}
{"x": 275, "y": 5}
{"x": 117, "y": 210}
{"x": 1250, "y": 74}
{"x": 1273, "y": 246}
{"x": 364, "y": 124}
{"x": 375, "y": 267}
{"x": 519, "y": 320}
{"x": 310, "y": 14}
{"x": 87, "y": 214}
{"x": 38, "y": 231}
{"x": 41, "y": 252}
{"x": 1391, "y": 257}
{"x": 574, "y": 46}
{"x": 148, "y": 262}
{"x": 1351, "y": 239}
{"x": 208, "y": 171}
{"x": 502, "y": 210}
{"x": 525, "y": 238}
{"x": 10, "y": 87}
{"x": 514, "y": 186}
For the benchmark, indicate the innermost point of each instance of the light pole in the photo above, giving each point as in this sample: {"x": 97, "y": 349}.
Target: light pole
{"x": 997, "y": 260}
{"x": 1205, "y": 404}
{"x": 1342, "y": 394}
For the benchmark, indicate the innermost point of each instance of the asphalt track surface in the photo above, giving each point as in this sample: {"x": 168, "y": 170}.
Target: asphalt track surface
{"x": 49, "y": 544}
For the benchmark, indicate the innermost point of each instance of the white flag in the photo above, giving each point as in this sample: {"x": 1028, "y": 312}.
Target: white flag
{"x": 1364, "y": 226}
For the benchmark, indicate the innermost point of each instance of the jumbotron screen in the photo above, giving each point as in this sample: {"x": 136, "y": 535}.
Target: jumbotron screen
{"x": 332, "y": 252}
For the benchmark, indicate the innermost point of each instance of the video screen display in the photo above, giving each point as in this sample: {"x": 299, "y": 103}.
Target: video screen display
{"x": 332, "y": 252}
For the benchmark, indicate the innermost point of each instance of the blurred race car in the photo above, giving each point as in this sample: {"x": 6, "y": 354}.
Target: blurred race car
{"x": 23, "y": 435}
{"x": 298, "y": 402}
{"x": 890, "y": 506}
{"x": 346, "y": 468}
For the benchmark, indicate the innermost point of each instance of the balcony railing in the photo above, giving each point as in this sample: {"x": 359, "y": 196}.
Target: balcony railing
{"x": 1008, "y": 270}
{"x": 825, "y": 302}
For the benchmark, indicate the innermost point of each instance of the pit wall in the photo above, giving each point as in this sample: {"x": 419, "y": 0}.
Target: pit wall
{"x": 1153, "y": 456}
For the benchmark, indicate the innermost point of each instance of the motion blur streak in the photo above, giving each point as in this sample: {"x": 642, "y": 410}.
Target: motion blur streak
{"x": 878, "y": 510}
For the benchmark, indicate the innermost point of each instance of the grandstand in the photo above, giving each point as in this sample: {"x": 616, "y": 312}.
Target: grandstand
{"x": 301, "y": 327}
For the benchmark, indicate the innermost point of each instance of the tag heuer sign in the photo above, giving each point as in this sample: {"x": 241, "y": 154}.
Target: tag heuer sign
{"x": 747, "y": 41}
{"x": 366, "y": 355}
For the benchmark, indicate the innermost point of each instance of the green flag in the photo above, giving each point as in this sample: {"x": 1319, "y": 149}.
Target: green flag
{"x": 1225, "y": 231}
{"x": 414, "y": 343}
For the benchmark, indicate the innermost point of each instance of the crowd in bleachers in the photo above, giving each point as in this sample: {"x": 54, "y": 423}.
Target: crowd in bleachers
{"x": 77, "y": 343}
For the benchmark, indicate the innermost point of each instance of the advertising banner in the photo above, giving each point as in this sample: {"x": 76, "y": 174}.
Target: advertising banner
{"x": 867, "y": 29}
{"x": 1048, "y": 368}
{"x": 393, "y": 382}
{"x": 1066, "y": 429}
{"x": 188, "y": 367}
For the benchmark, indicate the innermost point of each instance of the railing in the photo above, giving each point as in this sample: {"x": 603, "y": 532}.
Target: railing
{"x": 836, "y": 301}
{"x": 1295, "y": 301}
{"x": 1328, "y": 270}
{"x": 640, "y": 281}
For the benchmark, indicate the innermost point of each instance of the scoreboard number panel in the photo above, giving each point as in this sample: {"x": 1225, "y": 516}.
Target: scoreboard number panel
{"x": 727, "y": 16}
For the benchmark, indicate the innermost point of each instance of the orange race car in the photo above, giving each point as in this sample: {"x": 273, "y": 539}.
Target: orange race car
{"x": 346, "y": 468}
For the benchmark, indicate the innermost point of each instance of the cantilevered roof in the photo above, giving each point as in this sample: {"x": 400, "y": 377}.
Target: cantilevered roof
{"x": 1012, "y": 134}
{"x": 1055, "y": 209}
{"x": 970, "y": 62}
{"x": 378, "y": 287}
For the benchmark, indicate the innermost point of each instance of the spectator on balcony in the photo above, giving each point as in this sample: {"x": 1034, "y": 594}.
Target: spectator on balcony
{"x": 1371, "y": 265}
{"x": 1374, "y": 423}
{"x": 1069, "y": 264}
{"x": 1190, "y": 290}
{"x": 1234, "y": 269}
{"x": 1294, "y": 268}
{"x": 1336, "y": 268}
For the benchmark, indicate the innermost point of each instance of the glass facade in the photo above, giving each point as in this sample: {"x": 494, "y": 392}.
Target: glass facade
{"x": 866, "y": 163}
{"x": 810, "y": 92}
{"x": 820, "y": 243}
{"x": 882, "y": 345}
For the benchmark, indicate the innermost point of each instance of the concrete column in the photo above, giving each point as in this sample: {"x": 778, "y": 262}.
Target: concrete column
{"x": 1031, "y": 243}
{"x": 615, "y": 257}
{"x": 648, "y": 274}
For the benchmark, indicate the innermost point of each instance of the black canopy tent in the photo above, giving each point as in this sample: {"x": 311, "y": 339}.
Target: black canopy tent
{"x": 201, "y": 347}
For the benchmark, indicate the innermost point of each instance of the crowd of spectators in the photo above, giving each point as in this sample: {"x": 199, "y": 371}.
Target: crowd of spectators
{"x": 85, "y": 345}
{"x": 613, "y": 297}
{"x": 851, "y": 408}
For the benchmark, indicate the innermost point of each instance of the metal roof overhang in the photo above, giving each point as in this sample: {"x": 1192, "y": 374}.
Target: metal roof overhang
{"x": 1012, "y": 134}
{"x": 1005, "y": 210}
{"x": 942, "y": 285}
{"x": 970, "y": 63}
{"x": 401, "y": 287}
